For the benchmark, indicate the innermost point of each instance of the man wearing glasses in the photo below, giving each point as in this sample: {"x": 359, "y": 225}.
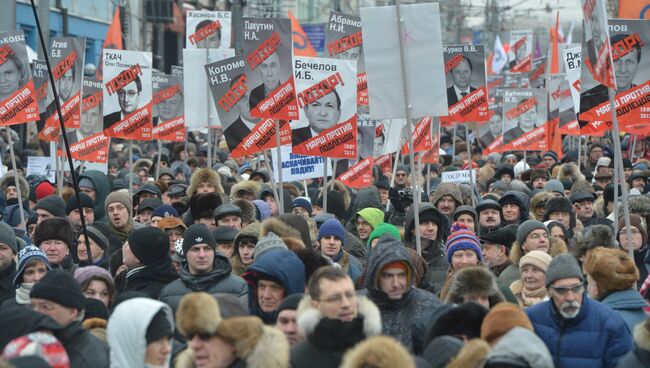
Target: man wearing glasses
{"x": 578, "y": 331}
{"x": 128, "y": 98}
{"x": 334, "y": 319}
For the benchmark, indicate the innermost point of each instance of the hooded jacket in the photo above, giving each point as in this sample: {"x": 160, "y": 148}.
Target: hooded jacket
{"x": 596, "y": 337}
{"x": 397, "y": 315}
{"x": 23, "y": 185}
{"x": 629, "y": 304}
{"x": 150, "y": 279}
{"x": 450, "y": 189}
{"x": 640, "y": 356}
{"x": 522, "y": 346}
{"x": 251, "y": 231}
{"x": 281, "y": 265}
{"x": 521, "y": 200}
{"x": 127, "y": 329}
{"x": 102, "y": 189}
{"x": 365, "y": 198}
{"x": 218, "y": 281}
{"x": 329, "y": 339}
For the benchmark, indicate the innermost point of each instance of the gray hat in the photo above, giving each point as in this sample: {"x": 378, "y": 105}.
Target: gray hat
{"x": 554, "y": 186}
{"x": 8, "y": 237}
{"x": 52, "y": 204}
{"x": 268, "y": 243}
{"x": 465, "y": 209}
{"x": 97, "y": 236}
{"x": 224, "y": 234}
{"x": 227, "y": 209}
{"x": 526, "y": 228}
{"x": 563, "y": 266}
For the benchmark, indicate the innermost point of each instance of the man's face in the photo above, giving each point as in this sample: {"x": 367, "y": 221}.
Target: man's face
{"x": 520, "y": 53}
{"x": 428, "y": 230}
{"x": 323, "y": 113}
{"x": 625, "y": 68}
{"x": 42, "y": 214}
{"x": 169, "y": 108}
{"x": 55, "y": 250}
{"x": 539, "y": 183}
{"x": 82, "y": 252}
{"x": 393, "y": 282}
{"x": 144, "y": 217}
{"x": 584, "y": 209}
{"x": 446, "y": 205}
{"x": 301, "y": 211}
{"x": 128, "y": 98}
{"x": 62, "y": 315}
{"x": 493, "y": 254}
{"x": 226, "y": 248}
{"x": 6, "y": 257}
{"x": 118, "y": 215}
{"x": 269, "y": 295}
{"x": 128, "y": 258}
{"x": 638, "y": 183}
{"x": 65, "y": 85}
{"x": 400, "y": 177}
{"x": 90, "y": 192}
{"x": 563, "y": 217}
{"x": 75, "y": 218}
{"x": 468, "y": 220}
{"x": 211, "y": 42}
{"x": 383, "y": 195}
{"x": 212, "y": 352}
{"x": 511, "y": 212}
{"x": 528, "y": 119}
{"x": 337, "y": 299}
{"x": 595, "y": 154}
{"x": 567, "y": 296}
{"x": 11, "y": 192}
{"x": 233, "y": 221}
{"x": 9, "y": 78}
{"x": 489, "y": 218}
{"x": 287, "y": 324}
{"x": 90, "y": 120}
{"x": 363, "y": 228}
{"x": 269, "y": 70}
{"x": 34, "y": 272}
{"x": 174, "y": 234}
{"x": 200, "y": 258}
{"x": 463, "y": 258}
{"x": 330, "y": 246}
{"x": 350, "y": 54}
{"x": 495, "y": 125}
{"x": 549, "y": 162}
{"x": 536, "y": 240}
{"x": 462, "y": 75}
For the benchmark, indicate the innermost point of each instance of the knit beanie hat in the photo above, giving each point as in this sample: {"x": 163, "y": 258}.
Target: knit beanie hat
{"x": 86, "y": 183}
{"x": 291, "y": 302}
{"x": 25, "y": 256}
{"x": 636, "y": 221}
{"x": 83, "y": 274}
{"x": 554, "y": 186}
{"x": 60, "y": 287}
{"x": 8, "y": 237}
{"x": 72, "y": 204}
{"x": 502, "y": 318}
{"x": 165, "y": 211}
{"x": 384, "y": 228}
{"x": 149, "y": 244}
{"x": 159, "y": 327}
{"x": 43, "y": 190}
{"x": 25, "y": 350}
{"x": 303, "y": 202}
{"x": 267, "y": 243}
{"x": 537, "y": 258}
{"x": 462, "y": 238}
{"x": 119, "y": 197}
{"x": 55, "y": 228}
{"x": 528, "y": 227}
{"x": 334, "y": 228}
{"x": 563, "y": 266}
{"x": 97, "y": 237}
{"x": 52, "y": 204}
{"x": 198, "y": 234}
{"x": 612, "y": 269}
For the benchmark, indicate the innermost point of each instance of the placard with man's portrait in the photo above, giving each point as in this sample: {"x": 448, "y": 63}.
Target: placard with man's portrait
{"x": 168, "y": 114}
{"x": 524, "y": 119}
{"x": 18, "y": 102}
{"x": 205, "y": 29}
{"x": 466, "y": 83}
{"x": 521, "y": 51}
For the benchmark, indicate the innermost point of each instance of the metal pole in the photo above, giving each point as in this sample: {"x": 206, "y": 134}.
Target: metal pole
{"x": 453, "y": 142}
{"x": 633, "y": 148}
{"x": 336, "y": 163}
{"x": 131, "y": 168}
{"x": 618, "y": 156}
{"x": 325, "y": 185}
{"x": 579, "y": 153}
{"x": 159, "y": 158}
{"x": 471, "y": 167}
{"x": 207, "y": 114}
{"x": 16, "y": 179}
{"x": 274, "y": 187}
{"x": 57, "y": 103}
{"x": 279, "y": 165}
{"x": 392, "y": 177}
{"x": 407, "y": 103}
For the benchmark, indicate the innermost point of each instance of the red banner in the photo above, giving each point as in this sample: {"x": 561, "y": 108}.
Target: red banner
{"x": 522, "y": 66}
{"x": 69, "y": 110}
{"x": 172, "y": 130}
{"x": 263, "y": 137}
{"x": 421, "y": 136}
{"x": 362, "y": 89}
{"x": 385, "y": 163}
{"x": 280, "y": 104}
{"x": 495, "y": 146}
{"x": 20, "y": 107}
{"x": 631, "y": 110}
{"x": 91, "y": 149}
{"x": 338, "y": 141}
{"x": 137, "y": 126}
{"x": 359, "y": 175}
{"x": 534, "y": 140}
{"x": 471, "y": 108}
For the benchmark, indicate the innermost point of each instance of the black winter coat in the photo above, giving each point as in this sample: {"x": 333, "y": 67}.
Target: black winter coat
{"x": 150, "y": 279}
{"x": 84, "y": 349}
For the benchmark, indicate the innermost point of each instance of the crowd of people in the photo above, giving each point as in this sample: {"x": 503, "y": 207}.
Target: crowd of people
{"x": 204, "y": 266}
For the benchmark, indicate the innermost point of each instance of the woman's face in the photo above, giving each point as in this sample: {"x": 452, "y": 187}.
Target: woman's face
{"x": 532, "y": 277}
{"x": 98, "y": 289}
{"x": 637, "y": 238}
{"x": 557, "y": 233}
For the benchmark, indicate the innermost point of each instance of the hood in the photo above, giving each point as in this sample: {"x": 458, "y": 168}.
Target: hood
{"x": 409, "y": 222}
{"x": 373, "y": 216}
{"x": 102, "y": 189}
{"x": 450, "y": 189}
{"x": 386, "y": 251}
{"x": 202, "y": 176}
{"x": 625, "y": 299}
{"x": 22, "y": 184}
{"x": 366, "y": 198}
{"x": 250, "y": 230}
{"x": 221, "y": 268}
{"x": 247, "y": 185}
{"x": 309, "y": 317}
{"x": 127, "y": 329}
{"x": 523, "y": 346}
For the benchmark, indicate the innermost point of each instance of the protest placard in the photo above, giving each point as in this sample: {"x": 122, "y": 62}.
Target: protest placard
{"x": 127, "y": 94}
{"x": 561, "y": 108}
{"x": 41, "y": 85}
{"x": 298, "y": 167}
{"x": 422, "y": 42}
{"x": 205, "y": 29}
{"x": 521, "y": 51}
{"x": 41, "y": 165}
{"x": 388, "y": 136}
{"x": 421, "y": 135}
{"x": 538, "y": 72}
{"x": 366, "y": 129}
{"x": 598, "y": 62}
{"x": 572, "y": 60}
{"x": 524, "y": 117}
{"x": 359, "y": 175}
{"x": 327, "y": 99}
{"x": 385, "y": 163}
{"x": 489, "y": 133}
{"x": 18, "y": 102}
{"x": 432, "y": 155}
{"x": 269, "y": 60}
{"x": 458, "y": 177}
{"x": 168, "y": 114}
{"x": 466, "y": 83}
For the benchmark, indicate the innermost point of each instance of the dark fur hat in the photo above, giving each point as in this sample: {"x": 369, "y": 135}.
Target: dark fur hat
{"x": 474, "y": 281}
{"x": 203, "y": 205}
{"x": 54, "y": 228}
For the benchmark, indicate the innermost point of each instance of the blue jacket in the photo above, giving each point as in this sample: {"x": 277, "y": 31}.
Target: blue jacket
{"x": 596, "y": 337}
{"x": 283, "y": 266}
{"x": 629, "y": 304}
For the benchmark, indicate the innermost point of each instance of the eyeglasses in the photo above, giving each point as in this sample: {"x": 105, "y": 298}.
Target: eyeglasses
{"x": 44, "y": 306}
{"x": 338, "y": 298}
{"x": 576, "y": 289}
{"x": 201, "y": 336}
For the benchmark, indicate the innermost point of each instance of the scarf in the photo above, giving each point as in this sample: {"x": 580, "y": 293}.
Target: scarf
{"x": 22, "y": 293}
{"x": 528, "y": 297}
{"x": 122, "y": 234}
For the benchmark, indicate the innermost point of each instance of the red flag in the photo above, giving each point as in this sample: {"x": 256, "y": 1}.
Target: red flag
{"x": 555, "y": 68}
{"x": 113, "y": 39}
{"x": 634, "y": 9}
{"x": 178, "y": 24}
{"x": 359, "y": 175}
{"x": 301, "y": 44}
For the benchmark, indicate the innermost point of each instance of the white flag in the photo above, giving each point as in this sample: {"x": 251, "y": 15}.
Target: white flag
{"x": 500, "y": 56}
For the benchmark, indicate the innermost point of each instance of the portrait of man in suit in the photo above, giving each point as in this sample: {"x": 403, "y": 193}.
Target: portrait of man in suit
{"x": 65, "y": 84}
{"x": 269, "y": 71}
{"x": 490, "y": 131}
{"x": 128, "y": 97}
{"x": 213, "y": 41}
{"x": 91, "y": 123}
{"x": 461, "y": 76}
{"x": 322, "y": 114}
{"x": 242, "y": 126}
{"x": 522, "y": 124}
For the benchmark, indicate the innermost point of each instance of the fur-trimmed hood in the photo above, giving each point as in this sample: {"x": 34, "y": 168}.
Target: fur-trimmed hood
{"x": 247, "y": 185}
{"x": 642, "y": 335}
{"x": 23, "y": 185}
{"x": 471, "y": 355}
{"x": 308, "y": 317}
{"x": 140, "y": 163}
{"x": 201, "y": 176}
{"x": 341, "y": 188}
{"x": 378, "y": 352}
{"x": 571, "y": 172}
{"x": 473, "y": 281}
{"x": 557, "y": 247}
{"x": 279, "y": 228}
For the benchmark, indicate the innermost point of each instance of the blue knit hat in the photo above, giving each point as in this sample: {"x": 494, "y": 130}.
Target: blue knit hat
{"x": 165, "y": 211}
{"x": 334, "y": 228}
{"x": 303, "y": 202}
{"x": 26, "y": 255}
{"x": 462, "y": 238}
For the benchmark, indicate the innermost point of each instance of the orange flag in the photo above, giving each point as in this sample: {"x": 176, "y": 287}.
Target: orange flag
{"x": 555, "y": 67}
{"x": 634, "y": 9}
{"x": 301, "y": 44}
{"x": 113, "y": 39}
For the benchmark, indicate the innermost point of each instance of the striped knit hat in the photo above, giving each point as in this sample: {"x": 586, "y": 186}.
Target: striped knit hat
{"x": 462, "y": 238}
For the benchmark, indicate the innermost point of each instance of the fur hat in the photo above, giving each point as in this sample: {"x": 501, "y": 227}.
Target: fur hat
{"x": 378, "y": 352}
{"x": 204, "y": 175}
{"x": 612, "y": 269}
{"x": 259, "y": 346}
{"x": 539, "y": 173}
{"x": 198, "y": 313}
{"x": 459, "y": 319}
{"x": 472, "y": 354}
{"x": 474, "y": 281}
{"x": 203, "y": 205}
{"x": 501, "y": 318}
{"x": 594, "y": 236}
{"x": 279, "y": 227}
{"x": 54, "y": 229}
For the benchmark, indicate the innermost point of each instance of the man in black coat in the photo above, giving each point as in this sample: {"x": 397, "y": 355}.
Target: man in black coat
{"x": 239, "y": 129}
{"x": 322, "y": 114}
{"x": 461, "y": 75}
{"x": 8, "y": 251}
